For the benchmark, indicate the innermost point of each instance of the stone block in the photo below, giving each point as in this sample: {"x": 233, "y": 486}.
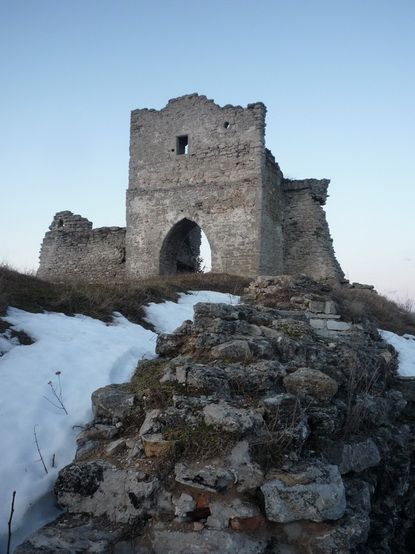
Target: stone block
{"x": 316, "y": 306}
{"x": 353, "y": 456}
{"x": 101, "y": 489}
{"x": 233, "y": 420}
{"x": 221, "y": 512}
{"x": 184, "y": 504}
{"x": 333, "y": 325}
{"x": 318, "y": 323}
{"x": 311, "y": 382}
{"x": 112, "y": 403}
{"x": 233, "y": 350}
{"x": 167, "y": 541}
{"x": 330, "y": 307}
{"x": 312, "y": 492}
{"x": 72, "y": 533}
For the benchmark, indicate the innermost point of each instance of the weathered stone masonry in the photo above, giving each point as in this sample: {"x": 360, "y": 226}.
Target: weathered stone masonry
{"x": 195, "y": 165}
{"x": 73, "y": 250}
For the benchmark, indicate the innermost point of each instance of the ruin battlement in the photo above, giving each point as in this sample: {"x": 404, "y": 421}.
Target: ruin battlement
{"x": 195, "y": 165}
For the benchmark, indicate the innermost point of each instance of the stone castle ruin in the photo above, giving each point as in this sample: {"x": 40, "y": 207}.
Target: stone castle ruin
{"x": 197, "y": 166}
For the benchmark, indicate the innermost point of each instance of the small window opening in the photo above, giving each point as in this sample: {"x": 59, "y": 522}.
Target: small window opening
{"x": 60, "y": 223}
{"x": 182, "y": 146}
{"x": 226, "y": 124}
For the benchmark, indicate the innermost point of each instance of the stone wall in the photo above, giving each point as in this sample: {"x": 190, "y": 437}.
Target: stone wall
{"x": 72, "y": 250}
{"x": 197, "y": 166}
{"x": 217, "y": 184}
{"x": 308, "y": 246}
{"x": 272, "y": 205}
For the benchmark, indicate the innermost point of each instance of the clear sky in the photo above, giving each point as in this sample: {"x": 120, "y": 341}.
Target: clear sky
{"x": 337, "y": 76}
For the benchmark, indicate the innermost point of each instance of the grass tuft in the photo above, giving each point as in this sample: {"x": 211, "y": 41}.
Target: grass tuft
{"x": 145, "y": 383}
{"x": 200, "y": 441}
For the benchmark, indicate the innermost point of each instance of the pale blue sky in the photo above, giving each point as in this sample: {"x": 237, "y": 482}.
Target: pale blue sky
{"x": 337, "y": 77}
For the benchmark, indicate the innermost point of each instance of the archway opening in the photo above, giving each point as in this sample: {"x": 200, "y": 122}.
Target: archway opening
{"x": 185, "y": 250}
{"x": 205, "y": 254}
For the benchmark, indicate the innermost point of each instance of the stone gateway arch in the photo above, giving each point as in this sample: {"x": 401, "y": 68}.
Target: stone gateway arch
{"x": 195, "y": 165}
{"x": 180, "y": 250}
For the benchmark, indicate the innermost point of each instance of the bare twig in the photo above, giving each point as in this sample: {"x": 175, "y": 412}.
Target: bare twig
{"x": 53, "y": 460}
{"x": 38, "y": 449}
{"x": 53, "y": 404}
{"x": 58, "y": 373}
{"x": 9, "y": 538}
{"x": 57, "y": 395}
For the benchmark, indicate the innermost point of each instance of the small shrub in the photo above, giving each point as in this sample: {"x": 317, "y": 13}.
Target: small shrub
{"x": 281, "y": 436}
{"x": 366, "y": 378}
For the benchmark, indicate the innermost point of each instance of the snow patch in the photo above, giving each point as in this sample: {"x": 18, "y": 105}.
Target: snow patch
{"x": 166, "y": 317}
{"x": 405, "y": 346}
{"x": 89, "y": 354}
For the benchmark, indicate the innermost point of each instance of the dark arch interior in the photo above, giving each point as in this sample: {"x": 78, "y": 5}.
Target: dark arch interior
{"x": 180, "y": 252}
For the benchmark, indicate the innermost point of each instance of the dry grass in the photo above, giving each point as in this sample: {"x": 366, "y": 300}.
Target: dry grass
{"x": 358, "y": 305}
{"x": 200, "y": 441}
{"x": 281, "y": 435}
{"x": 194, "y": 440}
{"x": 100, "y": 300}
{"x": 145, "y": 383}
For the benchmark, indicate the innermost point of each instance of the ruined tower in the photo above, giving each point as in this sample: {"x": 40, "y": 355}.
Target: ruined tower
{"x": 197, "y": 166}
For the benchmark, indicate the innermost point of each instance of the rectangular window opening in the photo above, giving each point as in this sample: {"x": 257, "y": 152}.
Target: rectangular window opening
{"x": 182, "y": 146}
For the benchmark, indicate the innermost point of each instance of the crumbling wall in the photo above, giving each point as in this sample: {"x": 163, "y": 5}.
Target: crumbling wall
{"x": 216, "y": 184}
{"x": 199, "y": 165}
{"x": 308, "y": 246}
{"x": 73, "y": 251}
{"x": 272, "y": 204}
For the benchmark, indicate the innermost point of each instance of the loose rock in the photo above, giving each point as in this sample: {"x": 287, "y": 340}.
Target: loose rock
{"x": 311, "y": 382}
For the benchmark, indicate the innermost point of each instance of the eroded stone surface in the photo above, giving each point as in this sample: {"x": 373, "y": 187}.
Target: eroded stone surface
{"x": 112, "y": 403}
{"x": 72, "y": 534}
{"x": 205, "y": 477}
{"x": 311, "y": 491}
{"x": 233, "y": 420}
{"x": 166, "y": 541}
{"x": 95, "y": 488}
{"x": 222, "y": 512}
{"x": 311, "y": 382}
{"x": 353, "y": 456}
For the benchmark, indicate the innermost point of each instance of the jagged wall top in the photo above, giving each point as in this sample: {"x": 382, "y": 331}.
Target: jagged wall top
{"x": 194, "y": 160}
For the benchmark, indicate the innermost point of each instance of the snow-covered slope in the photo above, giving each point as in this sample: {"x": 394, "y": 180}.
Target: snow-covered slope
{"x": 405, "y": 346}
{"x": 166, "y": 317}
{"x": 88, "y": 354}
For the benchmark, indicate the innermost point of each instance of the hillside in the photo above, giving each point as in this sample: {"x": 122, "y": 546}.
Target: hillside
{"x": 101, "y": 301}
{"x": 230, "y": 437}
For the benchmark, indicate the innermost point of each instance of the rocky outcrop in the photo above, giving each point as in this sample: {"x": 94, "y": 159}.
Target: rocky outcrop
{"x": 255, "y": 431}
